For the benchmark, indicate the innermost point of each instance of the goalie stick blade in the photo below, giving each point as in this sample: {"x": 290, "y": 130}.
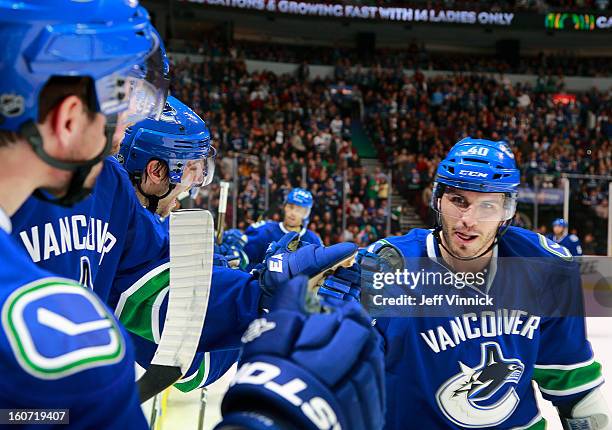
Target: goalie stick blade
{"x": 156, "y": 379}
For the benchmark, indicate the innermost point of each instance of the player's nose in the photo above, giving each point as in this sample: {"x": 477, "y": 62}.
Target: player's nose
{"x": 468, "y": 219}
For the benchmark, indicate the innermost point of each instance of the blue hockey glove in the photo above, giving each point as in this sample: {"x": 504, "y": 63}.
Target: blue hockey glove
{"x": 233, "y": 256}
{"x": 307, "y": 371}
{"x": 314, "y": 261}
{"x": 344, "y": 284}
{"x": 370, "y": 263}
{"x": 234, "y": 237}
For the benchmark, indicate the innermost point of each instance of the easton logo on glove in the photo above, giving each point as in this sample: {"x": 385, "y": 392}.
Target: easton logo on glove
{"x": 275, "y": 263}
{"x": 316, "y": 409}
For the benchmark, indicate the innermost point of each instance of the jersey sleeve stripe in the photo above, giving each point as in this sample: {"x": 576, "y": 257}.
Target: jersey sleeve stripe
{"x": 139, "y": 284}
{"x": 198, "y": 378}
{"x": 138, "y": 308}
{"x": 565, "y": 382}
{"x": 565, "y": 366}
{"x": 576, "y": 390}
{"x": 155, "y": 322}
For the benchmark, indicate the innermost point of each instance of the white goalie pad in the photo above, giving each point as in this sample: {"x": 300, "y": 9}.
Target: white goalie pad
{"x": 191, "y": 257}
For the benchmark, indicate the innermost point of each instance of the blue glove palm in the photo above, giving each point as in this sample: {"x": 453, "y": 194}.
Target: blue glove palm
{"x": 291, "y": 375}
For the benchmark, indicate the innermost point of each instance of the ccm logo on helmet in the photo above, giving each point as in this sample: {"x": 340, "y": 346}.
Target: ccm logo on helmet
{"x": 316, "y": 409}
{"x": 471, "y": 173}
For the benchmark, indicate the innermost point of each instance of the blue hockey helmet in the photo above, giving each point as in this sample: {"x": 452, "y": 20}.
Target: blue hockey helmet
{"x": 483, "y": 166}
{"x": 299, "y": 197}
{"x": 480, "y": 165}
{"x": 180, "y": 138}
{"x": 112, "y": 42}
{"x": 559, "y": 222}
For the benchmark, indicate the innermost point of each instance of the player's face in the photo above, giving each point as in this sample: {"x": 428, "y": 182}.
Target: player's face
{"x": 470, "y": 220}
{"x": 558, "y": 230}
{"x": 191, "y": 172}
{"x": 294, "y": 215}
{"x": 170, "y": 202}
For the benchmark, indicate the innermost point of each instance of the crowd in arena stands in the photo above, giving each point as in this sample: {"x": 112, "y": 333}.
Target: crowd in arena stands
{"x": 415, "y": 120}
{"x": 293, "y": 130}
{"x": 414, "y": 56}
{"x": 298, "y": 126}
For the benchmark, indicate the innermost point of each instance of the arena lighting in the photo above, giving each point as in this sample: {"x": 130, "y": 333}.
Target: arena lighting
{"x": 564, "y": 98}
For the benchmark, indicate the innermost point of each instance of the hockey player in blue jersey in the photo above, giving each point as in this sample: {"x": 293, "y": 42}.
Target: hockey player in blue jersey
{"x": 560, "y": 236}
{"x": 258, "y": 236}
{"x": 473, "y": 367}
{"x": 60, "y": 347}
{"x": 163, "y": 159}
{"x": 167, "y": 157}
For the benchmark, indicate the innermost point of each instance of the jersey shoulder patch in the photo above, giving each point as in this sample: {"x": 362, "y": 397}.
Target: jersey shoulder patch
{"x": 554, "y": 248}
{"x": 573, "y": 238}
{"x": 519, "y": 242}
{"x": 57, "y": 328}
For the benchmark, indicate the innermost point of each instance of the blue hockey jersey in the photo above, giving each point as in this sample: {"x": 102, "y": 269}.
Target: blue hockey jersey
{"x": 474, "y": 369}
{"x": 113, "y": 245}
{"x": 569, "y": 241}
{"x": 60, "y": 347}
{"x": 262, "y": 233}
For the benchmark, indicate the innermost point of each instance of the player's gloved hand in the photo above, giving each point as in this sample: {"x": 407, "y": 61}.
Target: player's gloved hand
{"x": 370, "y": 263}
{"x": 236, "y": 257}
{"x": 314, "y": 261}
{"x": 234, "y": 237}
{"x": 344, "y": 284}
{"x": 225, "y": 256}
{"x": 307, "y": 371}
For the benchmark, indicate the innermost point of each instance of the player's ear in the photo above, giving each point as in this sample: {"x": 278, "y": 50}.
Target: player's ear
{"x": 65, "y": 123}
{"x": 155, "y": 171}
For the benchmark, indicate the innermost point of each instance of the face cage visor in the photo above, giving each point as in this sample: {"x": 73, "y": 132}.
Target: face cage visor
{"x": 193, "y": 172}
{"x": 134, "y": 93}
{"x": 459, "y": 203}
{"x": 302, "y": 211}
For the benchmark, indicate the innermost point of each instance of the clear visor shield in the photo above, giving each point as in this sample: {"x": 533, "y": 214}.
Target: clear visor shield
{"x": 495, "y": 207}
{"x": 193, "y": 173}
{"x": 135, "y": 93}
{"x": 300, "y": 211}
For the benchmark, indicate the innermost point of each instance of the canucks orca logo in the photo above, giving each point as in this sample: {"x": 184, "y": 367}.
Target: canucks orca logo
{"x": 168, "y": 114}
{"x": 485, "y": 395}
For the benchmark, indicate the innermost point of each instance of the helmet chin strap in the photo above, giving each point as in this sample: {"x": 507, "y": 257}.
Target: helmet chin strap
{"x": 153, "y": 200}
{"x": 76, "y": 190}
